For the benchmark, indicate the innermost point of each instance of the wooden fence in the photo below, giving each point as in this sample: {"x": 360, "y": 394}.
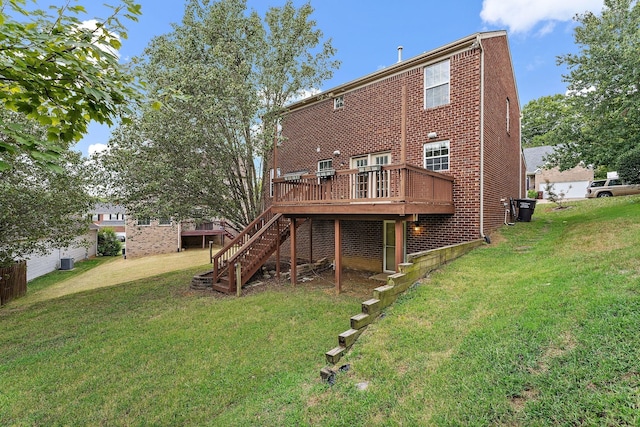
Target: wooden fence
{"x": 13, "y": 282}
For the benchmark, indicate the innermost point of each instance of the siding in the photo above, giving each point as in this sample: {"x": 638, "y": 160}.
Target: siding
{"x": 39, "y": 265}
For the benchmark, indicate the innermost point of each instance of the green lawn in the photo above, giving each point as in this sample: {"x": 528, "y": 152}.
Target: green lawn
{"x": 538, "y": 328}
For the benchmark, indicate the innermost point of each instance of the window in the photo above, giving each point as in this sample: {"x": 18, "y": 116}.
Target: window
{"x": 164, "y": 221}
{"x": 436, "y": 156}
{"x": 145, "y": 220}
{"x": 324, "y": 165}
{"x": 436, "y": 83}
{"x": 271, "y": 181}
{"x": 338, "y": 102}
{"x": 508, "y": 116}
{"x": 371, "y": 182}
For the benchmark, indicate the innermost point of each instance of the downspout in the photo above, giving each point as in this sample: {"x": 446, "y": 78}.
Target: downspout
{"x": 478, "y": 41}
{"x": 521, "y": 158}
{"x": 179, "y": 236}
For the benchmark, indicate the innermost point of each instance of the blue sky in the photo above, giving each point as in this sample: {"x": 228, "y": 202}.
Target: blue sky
{"x": 367, "y": 33}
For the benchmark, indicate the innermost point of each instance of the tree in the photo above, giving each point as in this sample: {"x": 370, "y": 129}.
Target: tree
{"x": 40, "y": 208}
{"x": 108, "y": 243}
{"x": 224, "y": 75}
{"x": 60, "y": 73}
{"x": 603, "y": 83}
{"x": 628, "y": 166}
{"x": 543, "y": 120}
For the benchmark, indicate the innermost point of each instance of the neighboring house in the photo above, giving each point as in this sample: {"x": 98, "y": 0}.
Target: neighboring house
{"x": 416, "y": 156}
{"x": 85, "y": 247}
{"x": 152, "y": 236}
{"x": 109, "y": 215}
{"x": 572, "y": 183}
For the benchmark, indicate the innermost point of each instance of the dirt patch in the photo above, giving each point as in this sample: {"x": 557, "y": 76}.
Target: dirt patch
{"x": 567, "y": 343}
{"x": 355, "y": 283}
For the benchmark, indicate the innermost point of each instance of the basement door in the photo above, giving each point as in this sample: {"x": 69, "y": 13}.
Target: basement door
{"x": 389, "y": 245}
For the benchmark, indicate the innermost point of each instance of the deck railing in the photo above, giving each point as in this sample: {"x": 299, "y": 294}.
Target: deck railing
{"x": 390, "y": 183}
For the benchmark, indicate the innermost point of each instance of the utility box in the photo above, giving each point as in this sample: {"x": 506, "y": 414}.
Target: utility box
{"x": 66, "y": 263}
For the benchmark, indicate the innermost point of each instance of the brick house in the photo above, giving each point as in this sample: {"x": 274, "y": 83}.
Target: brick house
{"x": 415, "y": 156}
{"x": 154, "y": 236}
{"x": 572, "y": 182}
{"x": 108, "y": 215}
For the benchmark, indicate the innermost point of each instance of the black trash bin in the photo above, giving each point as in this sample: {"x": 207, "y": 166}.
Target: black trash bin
{"x": 525, "y": 209}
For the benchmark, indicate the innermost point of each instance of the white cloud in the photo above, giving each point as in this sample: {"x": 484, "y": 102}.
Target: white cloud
{"x": 520, "y": 16}
{"x": 96, "y": 148}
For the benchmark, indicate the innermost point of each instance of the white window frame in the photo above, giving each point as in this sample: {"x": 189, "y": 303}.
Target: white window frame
{"x": 271, "y": 181}
{"x": 508, "y": 116}
{"x": 338, "y": 102}
{"x": 435, "y": 148}
{"x": 437, "y": 77}
{"x": 164, "y": 221}
{"x": 371, "y": 184}
{"x": 325, "y": 164}
{"x": 144, "y": 221}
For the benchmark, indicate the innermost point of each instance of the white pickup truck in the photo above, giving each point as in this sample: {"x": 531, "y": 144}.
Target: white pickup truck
{"x": 611, "y": 187}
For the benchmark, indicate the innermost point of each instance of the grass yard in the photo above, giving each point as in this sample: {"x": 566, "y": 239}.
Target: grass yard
{"x": 538, "y": 328}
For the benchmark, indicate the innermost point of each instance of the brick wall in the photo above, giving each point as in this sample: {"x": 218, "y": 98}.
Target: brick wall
{"x": 143, "y": 240}
{"x": 370, "y": 122}
{"x": 504, "y": 168}
{"x": 361, "y": 243}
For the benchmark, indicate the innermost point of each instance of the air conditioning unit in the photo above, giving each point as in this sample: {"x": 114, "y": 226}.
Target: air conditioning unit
{"x": 66, "y": 263}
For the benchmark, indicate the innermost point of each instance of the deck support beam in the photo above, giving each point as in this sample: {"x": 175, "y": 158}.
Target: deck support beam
{"x": 310, "y": 240}
{"x": 338, "y": 255}
{"x": 278, "y": 253}
{"x": 294, "y": 273}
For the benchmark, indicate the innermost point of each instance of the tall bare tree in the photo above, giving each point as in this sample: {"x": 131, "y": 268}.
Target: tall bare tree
{"x": 224, "y": 75}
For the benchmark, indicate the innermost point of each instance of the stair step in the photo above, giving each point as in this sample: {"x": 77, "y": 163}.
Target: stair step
{"x": 334, "y": 355}
{"x": 348, "y": 337}
{"x": 361, "y": 320}
{"x": 371, "y": 306}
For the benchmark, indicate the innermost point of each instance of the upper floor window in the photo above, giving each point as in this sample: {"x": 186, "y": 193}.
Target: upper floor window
{"x": 145, "y": 220}
{"x": 338, "y": 102}
{"x": 271, "y": 177}
{"x": 508, "y": 116}
{"x": 164, "y": 221}
{"x": 436, "y": 156}
{"x": 436, "y": 84}
{"x": 324, "y": 165}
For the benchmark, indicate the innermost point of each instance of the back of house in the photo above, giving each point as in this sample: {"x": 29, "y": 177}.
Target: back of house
{"x": 416, "y": 156}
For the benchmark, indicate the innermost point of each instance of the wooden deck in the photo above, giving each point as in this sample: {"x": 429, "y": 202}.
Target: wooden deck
{"x": 371, "y": 190}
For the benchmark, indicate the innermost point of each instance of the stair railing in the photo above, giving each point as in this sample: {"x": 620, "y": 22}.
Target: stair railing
{"x": 220, "y": 260}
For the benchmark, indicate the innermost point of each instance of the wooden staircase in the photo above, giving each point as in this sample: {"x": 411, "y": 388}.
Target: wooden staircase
{"x": 250, "y": 249}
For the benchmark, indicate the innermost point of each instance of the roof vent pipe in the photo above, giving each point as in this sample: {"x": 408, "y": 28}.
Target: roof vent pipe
{"x": 399, "y": 53}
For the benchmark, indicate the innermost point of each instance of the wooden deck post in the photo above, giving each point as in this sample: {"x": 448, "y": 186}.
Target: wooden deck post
{"x": 310, "y": 240}
{"x": 338, "y": 255}
{"x": 278, "y": 223}
{"x": 294, "y": 273}
{"x": 238, "y": 279}
{"x": 399, "y": 243}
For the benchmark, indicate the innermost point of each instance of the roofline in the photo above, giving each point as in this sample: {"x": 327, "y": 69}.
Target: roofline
{"x": 442, "y": 51}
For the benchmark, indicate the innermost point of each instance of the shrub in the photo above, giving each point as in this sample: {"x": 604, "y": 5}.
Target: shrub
{"x": 629, "y": 166}
{"x": 108, "y": 243}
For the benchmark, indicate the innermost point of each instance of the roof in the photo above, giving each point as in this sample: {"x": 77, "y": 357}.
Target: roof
{"x": 108, "y": 208}
{"x": 533, "y": 157}
{"x": 442, "y": 51}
